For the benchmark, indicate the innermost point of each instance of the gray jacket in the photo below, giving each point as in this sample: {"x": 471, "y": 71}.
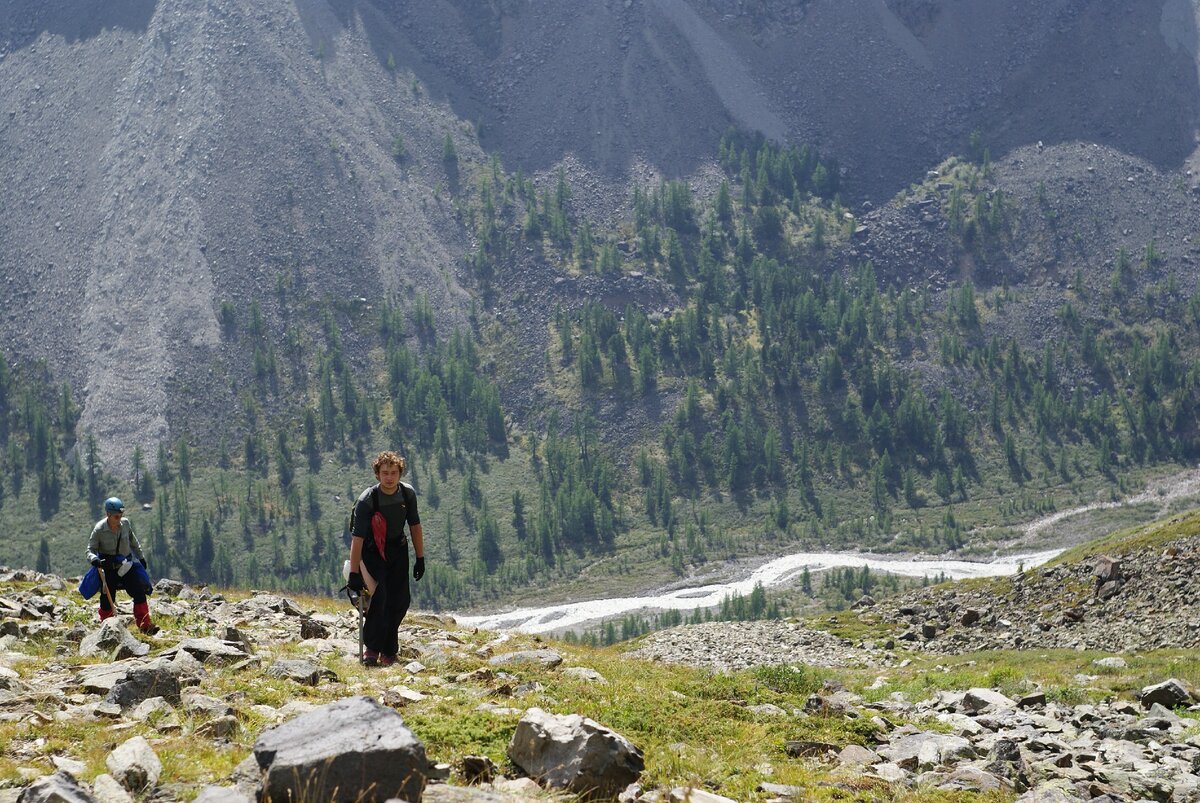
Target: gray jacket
{"x": 105, "y": 543}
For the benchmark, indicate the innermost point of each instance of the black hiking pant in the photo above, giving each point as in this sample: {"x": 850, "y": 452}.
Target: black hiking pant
{"x": 389, "y": 603}
{"x": 130, "y": 582}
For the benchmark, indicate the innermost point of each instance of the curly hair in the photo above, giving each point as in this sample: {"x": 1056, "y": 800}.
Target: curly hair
{"x": 389, "y": 458}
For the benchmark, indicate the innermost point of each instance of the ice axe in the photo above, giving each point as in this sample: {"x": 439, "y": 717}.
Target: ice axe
{"x": 104, "y": 584}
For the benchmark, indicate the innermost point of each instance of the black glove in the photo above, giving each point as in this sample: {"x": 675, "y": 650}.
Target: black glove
{"x": 144, "y": 566}
{"x": 355, "y": 581}
{"x": 419, "y": 569}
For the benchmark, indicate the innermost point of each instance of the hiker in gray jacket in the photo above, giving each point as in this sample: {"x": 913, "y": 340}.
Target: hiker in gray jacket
{"x": 112, "y": 548}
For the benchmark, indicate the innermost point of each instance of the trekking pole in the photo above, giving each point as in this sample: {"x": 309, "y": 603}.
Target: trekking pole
{"x": 104, "y": 584}
{"x": 356, "y": 599}
{"x": 358, "y": 605}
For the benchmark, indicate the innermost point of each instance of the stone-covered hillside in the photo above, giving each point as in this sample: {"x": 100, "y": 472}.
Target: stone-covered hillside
{"x": 237, "y": 698}
{"x": 1127, "y": 596}
{"x": 162, "y": 160}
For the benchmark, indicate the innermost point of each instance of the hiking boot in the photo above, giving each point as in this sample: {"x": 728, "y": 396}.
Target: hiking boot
{"x": 387, "y": 660}
{"x": 370, "y": 658}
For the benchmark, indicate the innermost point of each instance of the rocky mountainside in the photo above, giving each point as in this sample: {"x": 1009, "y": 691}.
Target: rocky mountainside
{"x": 222, "y": 704}
{"x": 163, "y": 160}
{"x": 1130, "y": 596}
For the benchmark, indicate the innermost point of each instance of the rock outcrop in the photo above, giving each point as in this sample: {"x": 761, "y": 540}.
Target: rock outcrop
{"x": 574, "y": 753}
{"x": 353, "y": 749}
{"x": 1144, "y": 599}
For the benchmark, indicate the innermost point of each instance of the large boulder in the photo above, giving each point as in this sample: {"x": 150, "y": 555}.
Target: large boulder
{"x": 352, "y": 749}
{"x": 574, "y": 753}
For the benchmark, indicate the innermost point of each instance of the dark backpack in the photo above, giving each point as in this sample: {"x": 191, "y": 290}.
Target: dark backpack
{"x": 354, "y": 510}
{"x": 374, "y": 506}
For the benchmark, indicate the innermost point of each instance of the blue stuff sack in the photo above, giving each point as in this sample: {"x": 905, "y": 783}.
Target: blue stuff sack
{"x": 140, "y": 572}
{"x": 90, "y": 583}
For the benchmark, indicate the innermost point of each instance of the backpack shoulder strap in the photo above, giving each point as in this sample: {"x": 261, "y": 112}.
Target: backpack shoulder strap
{"x": 375, "y": 499}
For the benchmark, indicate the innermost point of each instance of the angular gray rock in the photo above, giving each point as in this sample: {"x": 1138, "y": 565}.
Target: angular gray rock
{"x": 973, "y": 779}
{"x": 1169, "y": 694}
{"x": 1051, "y": 792}
{"x": 857, "y": 755}
{"x": 976, "y": 701}
{"x": 196, "y": 703}
{"x": 148, "y": 708}
{"x": 135, "y": 764}
{"x": 311, "y": 628}
{"x": 923, "y": 751}
{"x": 270, "y": 602}
{"x": 444, "y": 793}
{"x": 304, "y": 672}
{"x": 218, "y": 728}
{"x": 214, "y": 650}
{"x": 780, "y": 790}
{"x": 547, "y": 659}
{"x": 113, "y": 640}
{"x": 574, "y": 753}
{"x": 100, "y": 678}
{"x": 585, "y": 673}
{"x": 222, "y": 794}
{"x": 353, "y": 749}
{"x": 108, "y": 789}
{"x": 168, "y": 588}
{"x": 1107, "y": 570}
{"x": 57, "y": 788}
{"x": 143, "y": 682}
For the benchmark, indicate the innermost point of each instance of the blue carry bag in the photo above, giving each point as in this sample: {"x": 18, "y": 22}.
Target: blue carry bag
{"x": 142, "y": 576}
{"x": 90, "y": 583}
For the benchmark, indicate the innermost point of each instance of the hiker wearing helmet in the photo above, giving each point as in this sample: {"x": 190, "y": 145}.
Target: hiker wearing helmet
{"x": 112, "y": 549}
{"x": 379, "y": 556}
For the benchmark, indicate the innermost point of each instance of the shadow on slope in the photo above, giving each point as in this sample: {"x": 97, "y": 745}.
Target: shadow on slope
{"x": 23, "y": 21}
{"x": 1123, "y": 76}
{"x": 609, "y": 85}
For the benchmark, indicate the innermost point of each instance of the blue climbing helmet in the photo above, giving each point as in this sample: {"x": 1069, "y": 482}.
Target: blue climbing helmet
{"x": 114, "y": 505}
